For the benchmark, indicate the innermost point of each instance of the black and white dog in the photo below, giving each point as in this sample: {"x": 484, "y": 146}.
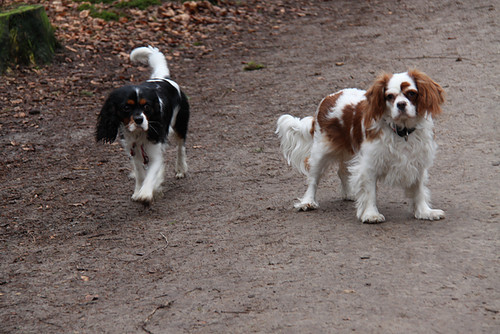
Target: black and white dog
{"x": 144, "y": 115}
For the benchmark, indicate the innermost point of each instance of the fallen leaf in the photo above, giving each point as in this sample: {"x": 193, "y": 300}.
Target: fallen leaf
{"x": 90, "y": 298}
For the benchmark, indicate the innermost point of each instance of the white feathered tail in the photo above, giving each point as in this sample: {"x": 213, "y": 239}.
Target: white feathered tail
{"x": 296, "y": 140}
{"x": 154, "y": 58}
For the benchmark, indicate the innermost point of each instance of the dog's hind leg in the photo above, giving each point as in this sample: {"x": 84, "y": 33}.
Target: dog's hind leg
{"x": 181, "y": 166}
{"x": 317, "y": 162}
{"x": 343, "y": 173}
{"x": 180, "y": 128}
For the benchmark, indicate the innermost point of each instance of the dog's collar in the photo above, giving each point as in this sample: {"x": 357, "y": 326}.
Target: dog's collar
{"x": 402, "y": 132}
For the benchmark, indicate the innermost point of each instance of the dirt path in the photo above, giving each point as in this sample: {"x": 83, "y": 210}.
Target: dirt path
{"x": 223, "y": 251}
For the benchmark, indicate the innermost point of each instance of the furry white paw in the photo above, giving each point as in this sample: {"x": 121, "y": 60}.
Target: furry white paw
{"x": 372, "y": 218}
{"x": 306, "y": 205}
{"x": 143, "y": 197}
{"x": 430, "y": 214}
{"x": 180, "y": 175}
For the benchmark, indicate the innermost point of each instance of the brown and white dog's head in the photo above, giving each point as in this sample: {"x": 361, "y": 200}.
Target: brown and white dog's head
{"x": 404, "y": 97}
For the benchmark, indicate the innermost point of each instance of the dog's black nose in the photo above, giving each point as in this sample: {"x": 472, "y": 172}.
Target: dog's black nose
{"x": 138, "y": 119}
{"x": 401, "y": 105}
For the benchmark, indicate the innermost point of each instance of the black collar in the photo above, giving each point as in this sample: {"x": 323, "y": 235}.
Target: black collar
{"x": 402, "y": 132}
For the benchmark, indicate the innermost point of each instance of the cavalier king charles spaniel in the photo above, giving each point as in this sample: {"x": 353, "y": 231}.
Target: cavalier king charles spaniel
{"x": 385, "y": 133}
{"x": 144, "y": 115}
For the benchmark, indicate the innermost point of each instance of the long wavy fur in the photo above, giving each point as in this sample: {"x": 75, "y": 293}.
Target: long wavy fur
{"x": 296, "y": 138}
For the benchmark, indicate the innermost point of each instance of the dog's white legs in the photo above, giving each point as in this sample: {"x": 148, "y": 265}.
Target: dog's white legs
{"x": 366, "y": 204}
{"x": 153, "y": 174}
{"x": 420, "y": 195}
{"x": 139, "y": 173}
{"x": 364, "y": 184}
{"x": 318, "y": 162}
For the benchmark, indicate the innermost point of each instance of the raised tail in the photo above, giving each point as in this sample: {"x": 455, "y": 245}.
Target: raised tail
{"x": 154, "y": 58}
{"x": 296, "y": 137}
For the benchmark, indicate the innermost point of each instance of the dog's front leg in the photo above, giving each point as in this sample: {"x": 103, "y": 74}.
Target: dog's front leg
{"x": 364, "y": 184}
{"x": 153, "y": 173}
{"x": 139, "y": 174}
{"x": 420, "y": 195}
{"x": 366, "y": 203}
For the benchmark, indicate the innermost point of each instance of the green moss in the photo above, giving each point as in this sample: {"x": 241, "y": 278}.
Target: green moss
{"x": 85, "y": 6}
{"x": 102, "y": 14}
{"x": 95, "y": 1}
{"x": 140, "y": 4}
{"x": 253, "y": 66}
{"x": 26, "y": 37}
{"x": 106, "y": 15}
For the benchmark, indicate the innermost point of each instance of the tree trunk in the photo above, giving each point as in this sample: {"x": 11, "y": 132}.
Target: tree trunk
{"x": 26, "y": 37}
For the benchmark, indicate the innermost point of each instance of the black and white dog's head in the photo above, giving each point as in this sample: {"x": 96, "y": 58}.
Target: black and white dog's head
{"x": 149, "y": 107}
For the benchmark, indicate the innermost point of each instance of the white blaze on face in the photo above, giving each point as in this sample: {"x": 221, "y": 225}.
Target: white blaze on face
{"x": 397, "y": 96}
{"x": 145, "y": 124}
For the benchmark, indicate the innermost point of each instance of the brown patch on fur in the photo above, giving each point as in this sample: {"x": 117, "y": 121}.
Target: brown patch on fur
{"x": 430, "y": 94}
{"x": 131, "y": 102}
{"x": 313, "y": 128}
{"x": 352, "y": 135}
{"x": 142, "y": 102}
{"x": 371, "y": 134}
{"x": 306, "y": 163}
{"x": 376, "y": 97}
{"x": 405, "y": 85}
{"x": 327, "y": 104}
{"x": 375, "y": 105}
{"x": 344, "y": 133}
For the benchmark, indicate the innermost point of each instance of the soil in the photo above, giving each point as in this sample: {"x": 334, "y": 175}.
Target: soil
{"x": 223, "y": 251}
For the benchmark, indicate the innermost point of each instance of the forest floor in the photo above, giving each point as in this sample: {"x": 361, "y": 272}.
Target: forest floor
{"x": 223, "y": 250}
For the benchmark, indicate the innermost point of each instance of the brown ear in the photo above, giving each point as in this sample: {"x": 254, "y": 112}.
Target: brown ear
{"x": 375, "y": 96}
{"x": 430, "y": 94}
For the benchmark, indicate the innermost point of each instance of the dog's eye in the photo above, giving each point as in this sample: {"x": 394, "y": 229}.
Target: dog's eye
{"x": 147, "y": 107}
{"x": 411, "y": 94}
{"x": 390, "y": 97}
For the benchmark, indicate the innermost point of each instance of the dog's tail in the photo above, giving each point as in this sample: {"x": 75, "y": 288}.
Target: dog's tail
{"x": 154, "y": 58}
{"x": 296, "y": 137}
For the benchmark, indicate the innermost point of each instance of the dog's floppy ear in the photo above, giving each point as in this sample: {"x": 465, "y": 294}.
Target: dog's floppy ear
{"x": 430, "y": 94}
{"x": 107, "y": 121}
{"x": 375, "y": 96}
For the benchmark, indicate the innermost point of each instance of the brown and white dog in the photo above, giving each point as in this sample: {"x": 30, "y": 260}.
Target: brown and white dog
{"x": 385, "y": 133}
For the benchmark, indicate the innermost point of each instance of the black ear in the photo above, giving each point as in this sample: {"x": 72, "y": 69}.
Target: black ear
{"x": 107, "y": 122}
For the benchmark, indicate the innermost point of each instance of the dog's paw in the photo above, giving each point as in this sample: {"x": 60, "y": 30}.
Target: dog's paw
{"x": 430, "y": 214}
{"x": 143, "y": 197}
{"x": 348, "y": 197}
{"x": 180, "y": 175}
{"x": 372, "y": 218}
{"x": 306, "y": 205}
